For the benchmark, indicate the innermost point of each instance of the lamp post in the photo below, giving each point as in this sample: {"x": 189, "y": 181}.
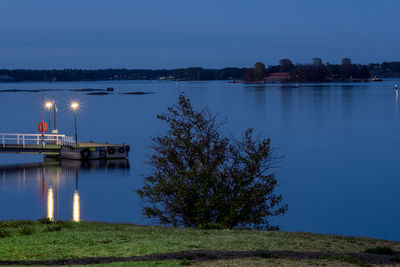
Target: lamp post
{"x": 55, "y": 125}
{"x": 49, "y": 105}
{"x": 74, "y": 106}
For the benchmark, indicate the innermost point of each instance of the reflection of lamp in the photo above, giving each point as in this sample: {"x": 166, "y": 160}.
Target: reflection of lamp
{"x": 76, "y": 208}
{"x": 76, "y": 205}
{"x": 50, "y": 204}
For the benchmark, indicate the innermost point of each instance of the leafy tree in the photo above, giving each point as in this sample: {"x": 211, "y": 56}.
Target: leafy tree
{"x": 306, "y": 72}
{"x": 248, "y": 75}
{"x": 259, "y": 71}
{"x": 347, "y": 68}
{"x": 317, "y": 62}
{"x": 286, "y": 65}
{"x": 346, "y": 61}
{"x": 177, "y": 74}
{"x": 230, "y": 73}
{"x": 202, "y": 178}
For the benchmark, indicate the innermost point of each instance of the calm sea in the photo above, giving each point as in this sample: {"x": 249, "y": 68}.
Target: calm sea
{"x": 340, "y": 172}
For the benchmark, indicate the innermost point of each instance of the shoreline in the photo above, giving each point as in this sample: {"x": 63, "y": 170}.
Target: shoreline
{"x": 182, "y": 80}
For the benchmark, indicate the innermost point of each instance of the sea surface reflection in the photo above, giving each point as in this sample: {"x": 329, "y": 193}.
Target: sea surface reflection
{"x": 57, "y": 195}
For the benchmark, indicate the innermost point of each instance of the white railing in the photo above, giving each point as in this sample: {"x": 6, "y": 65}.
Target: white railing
{"x": 46, "y": 139}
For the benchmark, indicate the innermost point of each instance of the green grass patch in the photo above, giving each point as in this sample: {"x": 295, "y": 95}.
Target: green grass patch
{"x": 348, "y": 259}
{"x": 381, "y": 251}
{"x": 53, "y": 228}
{"x": 27, "y": 230}
{"x": 44, "y": 240}
{"x": 45, "y": 221}
{"x": 187, "y": 262}
{"x": 4, "y": 233}
{"x": 144, "y": 264}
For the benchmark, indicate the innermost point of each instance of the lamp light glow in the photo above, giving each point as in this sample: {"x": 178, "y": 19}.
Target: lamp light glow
{"x": 49, "y": 105}
{"x": 74, "y": 105}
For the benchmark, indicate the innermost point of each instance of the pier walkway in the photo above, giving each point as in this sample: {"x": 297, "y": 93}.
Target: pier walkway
{"x": 60, "y": 146}
{"x": 47, "y": 144}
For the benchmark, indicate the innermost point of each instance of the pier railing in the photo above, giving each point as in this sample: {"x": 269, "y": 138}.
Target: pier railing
{"x": 35, "y": 139}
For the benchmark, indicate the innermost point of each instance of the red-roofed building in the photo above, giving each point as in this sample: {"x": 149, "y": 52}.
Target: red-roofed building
{"x": 277, "y": 77}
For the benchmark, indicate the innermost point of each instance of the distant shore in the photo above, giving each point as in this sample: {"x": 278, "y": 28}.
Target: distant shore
{"x": 309, "y": 72}
{"x": 183, "y": 80}
{"x": 292, "y": 82}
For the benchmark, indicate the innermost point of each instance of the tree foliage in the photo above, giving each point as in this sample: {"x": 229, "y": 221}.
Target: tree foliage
{"x": 192, "y": 73}
{"x": 259, "y": 71}
{"x": 317, "y": 62}
{"x": 202, "y": 178}
{"x": 248, "y": 75}
{"x": 286, "y": 65}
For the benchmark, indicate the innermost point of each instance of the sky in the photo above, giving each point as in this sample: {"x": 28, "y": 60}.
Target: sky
{"x": 156, "y": 34}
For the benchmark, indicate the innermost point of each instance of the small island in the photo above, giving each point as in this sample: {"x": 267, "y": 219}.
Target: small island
{"x": 317, "y": 71}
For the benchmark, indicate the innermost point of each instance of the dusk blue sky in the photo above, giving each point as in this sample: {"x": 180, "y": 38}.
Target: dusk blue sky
{"x": 181, "y": 33}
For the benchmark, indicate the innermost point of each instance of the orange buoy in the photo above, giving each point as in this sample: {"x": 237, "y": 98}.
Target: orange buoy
{"x": 42, "y": 127}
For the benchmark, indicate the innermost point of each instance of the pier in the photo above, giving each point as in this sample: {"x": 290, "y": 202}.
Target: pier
{"x": 60, "y": 146}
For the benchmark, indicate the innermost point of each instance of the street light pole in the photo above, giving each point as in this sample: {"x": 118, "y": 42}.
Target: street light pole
{"x": 74, "y": 106}
{"x": 54, "y": 108}
{"x": 49, "y": 120}
{"x": 76, "y": 131}
{"x": 48, "y": 106}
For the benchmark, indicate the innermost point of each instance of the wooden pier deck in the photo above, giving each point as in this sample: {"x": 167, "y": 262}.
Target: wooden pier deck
{"x": 60, "y": 146}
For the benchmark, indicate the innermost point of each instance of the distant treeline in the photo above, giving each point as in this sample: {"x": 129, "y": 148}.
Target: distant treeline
{"x": 315, "y": 71}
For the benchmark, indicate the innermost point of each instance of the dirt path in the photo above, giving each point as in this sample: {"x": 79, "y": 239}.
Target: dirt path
{"x": 212, "y": 255}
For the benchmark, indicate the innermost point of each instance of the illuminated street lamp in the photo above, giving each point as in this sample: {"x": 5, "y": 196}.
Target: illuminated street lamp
{"x": 74, "y": 106}
{"x": 49, "y": 105}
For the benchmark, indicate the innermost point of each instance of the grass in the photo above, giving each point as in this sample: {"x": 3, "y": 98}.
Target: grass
{"x": 275, "y": 262}
{"x": 348, "y": 259}
{"x": 381, "y": 251}
{"x": 46, "y": 240}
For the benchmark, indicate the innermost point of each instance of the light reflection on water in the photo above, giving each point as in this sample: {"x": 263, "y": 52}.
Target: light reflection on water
{"x": 51, "y": 177}
{"x": 76, "y": 216}
{"x": 50, "y": 204}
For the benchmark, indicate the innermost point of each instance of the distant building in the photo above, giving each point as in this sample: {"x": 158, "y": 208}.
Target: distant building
{"x": 277, "y": 77}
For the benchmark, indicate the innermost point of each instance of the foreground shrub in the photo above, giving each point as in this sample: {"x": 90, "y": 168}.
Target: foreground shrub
{"x": 202, "y": 178}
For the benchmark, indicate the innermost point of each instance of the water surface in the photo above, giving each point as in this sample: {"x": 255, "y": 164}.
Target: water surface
{"x": 339, "y": 174}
